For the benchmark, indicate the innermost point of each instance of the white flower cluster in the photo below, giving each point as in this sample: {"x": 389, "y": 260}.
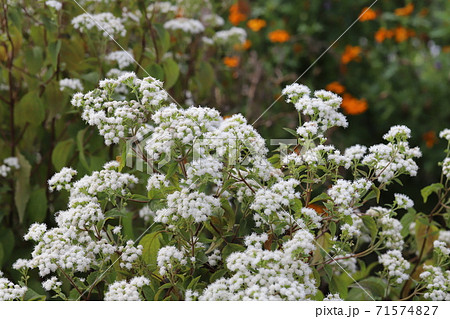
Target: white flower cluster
{"x": 157, "y": 181}
{"x": 186, "y": 25}
{"x": 354, "y": 229}
{"x": 446, "y": 167}
{"x": 269, "y": 202}
{"x": 124, "y": 291}
{"x": 344, "y": 263}
{"x": 203, "y": 170}
{"x": 230, "y": 37}
{"x": 9, "y": 290}
{"x": 62, "y": 179}
{"x": 395, "y": 266}
{"x": 214, "y": 258}
{"x": 187, "y": 204}
{"x": 176, "y": 126}
{"x": 390, "y": 227}
{"x": 437, "y": 283}
{"x": 332, "y": 297}
{"x": 105, "y": 22}
{"x": 212, "y": 20}
{"x": 146, "y": 213}
{"x": 345, "y": 194}
{"x": 84, "y": 212}
{"x": 114, "y": 118}
{"x": 35, "y": 232}
{"x": 441, "y": 248}
{"x": 8, "y": 164}
{"x": 70, "y": 246}
{"x": 445, "y": 134}
{"x": 51, "y": 284}
{"x": 311, "y": 218}
{"x": 265, "y": 275}
{"x": 321, "y": 109}
{"x": 123, "y": 58}
{"x": 54, "y": 4}
{"x": 395, "y": 158}
{"x": 403, "y": 201}
{"x": 444, "y": 235}
{"x": 163, "y": 7}
{"x": 108, "y": 180}
{"x": 129, "y": 254}
{"x": 355, "y": 152}
{"x": 169, "y": 258}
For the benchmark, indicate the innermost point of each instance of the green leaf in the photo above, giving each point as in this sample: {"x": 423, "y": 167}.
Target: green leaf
{"x": 332, "y": 227}
{"x": 217, "y": 275}
{"x": 406, "y": 220}
{"x": 37, "y": 206}
{"x": 32, "y": 295}
{"x": 151, "y": 245}
{"x": 2, "y": 255}
{"x": 22, "y": 191}
{"x": 171, "y": 72}
{"x": 372, "y": 287}
{"x": 53, "y": 52}
{"x": 291, "y": 131}
{"x": 156, "y": 71}
{"x": 116, "y": 212}
{"x": 61, "y": 153}
{"x": 80, "y": 147}
{"x": 29, "y": 109}
{"x": 427, "y": 191}
{"x": 7, "y": 242}
{"x": 371, "y": 226}
{"x": 321, "y": 197}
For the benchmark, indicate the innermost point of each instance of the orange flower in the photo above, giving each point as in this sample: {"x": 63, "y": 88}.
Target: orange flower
{"x": 367, "y": 14}
{"x": 401, "y": 34}
{"x": 256, "y": 24}
{"x": 383, "y": 34}
{"x": 446, "y": 49}
{"x": 279, "y": 36}
{"x": 335, "y": 87}
{"x": 243, "y": 46}
{"x": 405, "y": 11}
{"x": 236, "y": 15}
{"x": 430, "y": 138}
{"x": 231, "y": 61}
{"x": 352, "y": 105}
{"x": 351, "y": 53}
